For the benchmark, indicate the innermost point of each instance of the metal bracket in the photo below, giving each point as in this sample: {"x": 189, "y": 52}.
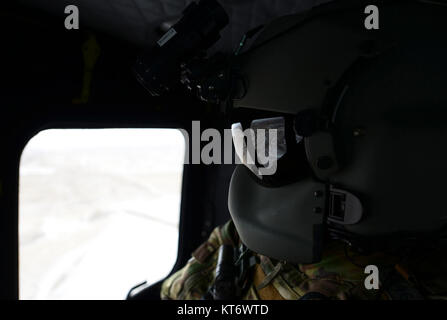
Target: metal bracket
{"x": 344, "y": 207}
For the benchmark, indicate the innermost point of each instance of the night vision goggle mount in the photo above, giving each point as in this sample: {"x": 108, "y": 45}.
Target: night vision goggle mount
{"x": 180, "y": 60}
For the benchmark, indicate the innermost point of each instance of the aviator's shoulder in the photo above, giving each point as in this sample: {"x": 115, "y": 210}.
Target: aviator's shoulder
{"x": 193, "y": 280}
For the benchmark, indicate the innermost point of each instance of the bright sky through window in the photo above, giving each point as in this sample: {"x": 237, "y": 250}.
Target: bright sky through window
{"x": 98, "y": 211}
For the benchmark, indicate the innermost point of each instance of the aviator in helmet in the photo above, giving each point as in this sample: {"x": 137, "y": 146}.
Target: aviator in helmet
{"x": 365, "y": 119}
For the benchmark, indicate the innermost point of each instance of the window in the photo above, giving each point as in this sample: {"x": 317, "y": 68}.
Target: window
{"x": 98, "y": 211}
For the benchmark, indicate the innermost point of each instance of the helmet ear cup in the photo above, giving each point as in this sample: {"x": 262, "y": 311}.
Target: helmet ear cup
{"x": 391, "y": 130}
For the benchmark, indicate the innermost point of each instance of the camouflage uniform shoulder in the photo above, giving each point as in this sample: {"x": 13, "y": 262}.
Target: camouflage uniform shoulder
{"x": 193, "y": 280}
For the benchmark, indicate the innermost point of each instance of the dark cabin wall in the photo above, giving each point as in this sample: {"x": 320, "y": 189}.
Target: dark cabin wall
{"x": 42, "y": 65}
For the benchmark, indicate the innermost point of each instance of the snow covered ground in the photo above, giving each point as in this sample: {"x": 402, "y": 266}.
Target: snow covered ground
{"x": 98, "y": 211}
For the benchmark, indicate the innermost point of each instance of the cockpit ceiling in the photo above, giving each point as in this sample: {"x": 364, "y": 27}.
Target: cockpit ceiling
{"x": 138, "y": 20}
